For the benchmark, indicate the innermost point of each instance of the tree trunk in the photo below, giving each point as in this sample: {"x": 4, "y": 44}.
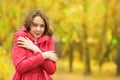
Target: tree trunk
{"x": 85, "y": 36}
{"x": 87, "y": 62}
{"x": 118, "y": 57}
{"x": 71, "y": 58}
{"x": 118, "y": 64}
{"x": 117, "y": 34}
{"x": 118, "y": 52}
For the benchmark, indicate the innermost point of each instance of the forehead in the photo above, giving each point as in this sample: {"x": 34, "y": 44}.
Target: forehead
{"x": 38, "y": 19}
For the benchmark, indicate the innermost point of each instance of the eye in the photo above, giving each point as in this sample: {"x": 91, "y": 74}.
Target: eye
{"x": 34, "y": 24}
{"x": 42, "y": 25}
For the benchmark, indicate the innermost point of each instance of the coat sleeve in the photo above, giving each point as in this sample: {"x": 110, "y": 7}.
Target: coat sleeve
{"x": 21, "y": 62}
{"x": 50, "y": 66}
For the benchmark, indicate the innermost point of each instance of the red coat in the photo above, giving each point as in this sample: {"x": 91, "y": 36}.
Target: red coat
{"x": 30, "y": 66}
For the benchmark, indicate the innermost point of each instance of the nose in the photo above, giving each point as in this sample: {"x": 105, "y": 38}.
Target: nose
{"x": 38, "y": 28}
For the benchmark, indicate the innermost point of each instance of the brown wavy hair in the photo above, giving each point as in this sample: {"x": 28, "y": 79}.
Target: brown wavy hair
{"x": 28, "y": 20}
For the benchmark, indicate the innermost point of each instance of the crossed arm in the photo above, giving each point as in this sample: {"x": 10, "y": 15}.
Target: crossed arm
{"x": 23, "y": 64}
{"x": 28, "y": 44}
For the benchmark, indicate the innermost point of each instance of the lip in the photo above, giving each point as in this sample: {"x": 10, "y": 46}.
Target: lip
{"x": 37, "y": 34}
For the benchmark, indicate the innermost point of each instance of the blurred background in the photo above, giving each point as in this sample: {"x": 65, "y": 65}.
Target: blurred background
{"x": 87, "y": 36}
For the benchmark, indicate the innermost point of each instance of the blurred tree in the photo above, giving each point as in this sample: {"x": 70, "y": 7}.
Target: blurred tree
{"x": 84, "y": 41}
{"x": 117, "y": 35}
{"x": 88, "y": 27}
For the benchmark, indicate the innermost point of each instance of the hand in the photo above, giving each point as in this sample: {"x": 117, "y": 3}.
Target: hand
{"x": 28, "y": 44}
{"x": 50, "y": 55}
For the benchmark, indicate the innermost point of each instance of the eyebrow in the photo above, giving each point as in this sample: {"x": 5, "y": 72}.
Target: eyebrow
{"x": 37, "y": 23}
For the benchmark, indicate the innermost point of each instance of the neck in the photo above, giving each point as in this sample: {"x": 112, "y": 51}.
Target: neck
{"x": 35, "y": 40}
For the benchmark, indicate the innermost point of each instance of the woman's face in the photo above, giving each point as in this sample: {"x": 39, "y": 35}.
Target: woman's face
{"x": 37, "y": 27}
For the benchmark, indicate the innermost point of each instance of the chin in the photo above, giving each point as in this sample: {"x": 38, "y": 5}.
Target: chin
{"x": 37, "y": 36}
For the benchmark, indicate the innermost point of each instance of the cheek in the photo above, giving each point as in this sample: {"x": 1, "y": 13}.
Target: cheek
{"x": 43, "y": 29}
{"x": 32, "y": 31}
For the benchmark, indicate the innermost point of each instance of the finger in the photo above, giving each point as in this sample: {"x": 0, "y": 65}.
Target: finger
{"x": 55, "y": 55}
{"x": 21, "y": 45}
{"x": 27, "y": 38}
{"x": 49, "y": 52}
{"x": 21, "y": 38}
{"x": 53, "y": 51}
{"x": 55, "y": 59}
{"x": 20, "y": 42}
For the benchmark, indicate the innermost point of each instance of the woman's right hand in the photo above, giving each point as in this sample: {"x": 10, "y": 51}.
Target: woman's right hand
{"x": 28, "y": 44}
{"x": 50, "y": 55}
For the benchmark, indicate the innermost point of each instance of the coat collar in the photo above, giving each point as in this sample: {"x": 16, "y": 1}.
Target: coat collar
{"x": 40, "y": 39}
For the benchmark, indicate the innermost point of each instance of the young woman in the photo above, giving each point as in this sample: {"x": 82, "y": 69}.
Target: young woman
{"x": 33, "y": 51}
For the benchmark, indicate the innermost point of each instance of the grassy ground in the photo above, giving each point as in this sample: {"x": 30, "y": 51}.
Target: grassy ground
{"x": 107, "y": 71}
{"x": 76, "y": 76}
{"x": 73, "y": 76}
